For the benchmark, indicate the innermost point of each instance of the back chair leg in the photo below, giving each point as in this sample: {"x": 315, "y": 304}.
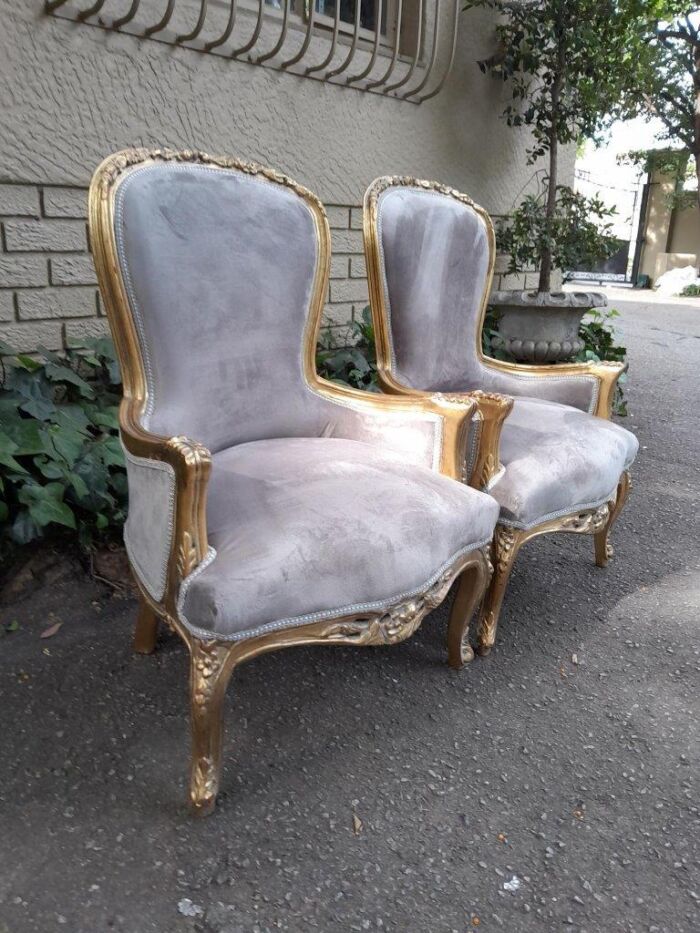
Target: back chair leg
{"x": 211, "y": 665}
{"x": 470, "y": 592}
{"x": 603, "y": 547}
{"x": 146, "y": 630}
{"x": 506, "y": 544}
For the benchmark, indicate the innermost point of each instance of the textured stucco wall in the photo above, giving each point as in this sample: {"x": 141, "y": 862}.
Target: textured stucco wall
{"x": 74, "y": 93}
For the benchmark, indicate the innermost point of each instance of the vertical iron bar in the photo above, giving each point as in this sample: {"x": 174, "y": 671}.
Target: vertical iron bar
{"x": 334, "y": 41}
{"x": 199, "y": 25}
{"x": 375, "y": 49}
{"x": 409, "y": 74}
{"x": 438, "y": 87}
{"x": 127, "y": 17}
{"x": 433, "y": 55}
{"x": 307, "y": 38}
{"x": 283, "y": 35}
{"x": 95, "y": 8}
{"x": 392, "y": 64}
{"x": 353, "y": 45}
{"x": 215, "y": 43}
{"x": 163, "y": 22}
{"x": 256, "y": 32}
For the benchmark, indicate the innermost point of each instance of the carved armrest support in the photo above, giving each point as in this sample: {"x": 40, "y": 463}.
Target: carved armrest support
{"x": 490, "y": 409}
{"x": 454, "y": 418}
{"x": 605, "y": 372}
{"x": 191, "y": 463}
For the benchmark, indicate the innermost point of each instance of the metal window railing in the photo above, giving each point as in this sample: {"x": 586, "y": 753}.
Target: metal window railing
{"x": 414, "y": 75}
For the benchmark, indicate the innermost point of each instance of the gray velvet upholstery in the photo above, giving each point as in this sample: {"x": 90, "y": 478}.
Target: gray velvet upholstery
{"x": 307, "y": 528}
{"x": 314, "y": 504}
{"x": 435, "y": 257}
{"x": 557, "y": 460}
{"x": 219, "y": 267}
{"x": 149, "y": 527}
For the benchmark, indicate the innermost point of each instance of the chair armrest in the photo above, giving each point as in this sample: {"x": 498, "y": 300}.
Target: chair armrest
{"x": 593, "y": 383}
{"x": 445, "y": 423}
{"x": 188, "y": 464}
{"x": 489, "y": 412}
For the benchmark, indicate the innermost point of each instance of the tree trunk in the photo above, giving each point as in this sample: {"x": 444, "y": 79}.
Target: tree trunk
{"x": 696, "y": 84}
{"x": 545, "y": 282}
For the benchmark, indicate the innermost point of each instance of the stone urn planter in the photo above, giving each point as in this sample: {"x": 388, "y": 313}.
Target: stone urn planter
{"x": 542, "y": 327}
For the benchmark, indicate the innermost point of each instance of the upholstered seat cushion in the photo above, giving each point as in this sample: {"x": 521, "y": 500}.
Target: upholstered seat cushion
{"x": 557, "y": 460}
{"x": 307, "y": 528}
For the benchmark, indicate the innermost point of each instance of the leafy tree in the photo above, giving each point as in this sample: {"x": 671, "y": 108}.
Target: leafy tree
{"x": 569, "y": 65}
{"x": 671, "y": 89}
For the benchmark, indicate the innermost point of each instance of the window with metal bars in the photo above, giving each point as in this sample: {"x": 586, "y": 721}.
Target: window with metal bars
{"x": 399, "y": 48}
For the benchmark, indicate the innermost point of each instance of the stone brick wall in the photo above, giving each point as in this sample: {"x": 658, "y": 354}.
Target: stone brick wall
{"x": 48, "y": 293}
{"x": 347, "y": 293}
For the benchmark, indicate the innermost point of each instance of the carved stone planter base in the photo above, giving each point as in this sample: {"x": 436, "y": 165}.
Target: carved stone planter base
{"x": 539, "y": 327}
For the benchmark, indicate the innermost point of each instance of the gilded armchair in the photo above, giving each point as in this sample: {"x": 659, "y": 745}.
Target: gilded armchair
{"x": 268, "y": 508}
{"x": 563, "y": 466}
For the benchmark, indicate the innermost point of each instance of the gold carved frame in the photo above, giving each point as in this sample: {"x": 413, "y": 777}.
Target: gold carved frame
{"x": 212, "y": 660}
{"x": 492, "y": 409}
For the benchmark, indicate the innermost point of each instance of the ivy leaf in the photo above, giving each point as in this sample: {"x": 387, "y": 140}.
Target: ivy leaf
{"x": 68, "y": 443}
{"x": 45, "y": 504}
{"x": 28, "y": 362}
{"x": 113, "y": 454}
{"x": 80, "y": 487}
{"x": 72, "y": 417}
{"x": 60, "y": 373}
{"x": 24, "y": 529}
{"x": 7, "y": 448}
{"x": 108, "y": 418}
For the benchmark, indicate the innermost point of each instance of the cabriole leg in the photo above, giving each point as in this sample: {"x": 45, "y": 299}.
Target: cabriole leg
{"x": 603, "y": 547}
{"x": 506, "y": 544}
{"x": 146, "y": 630}
{"x": 470, "y": 591}
{"x": 210, "y": 672}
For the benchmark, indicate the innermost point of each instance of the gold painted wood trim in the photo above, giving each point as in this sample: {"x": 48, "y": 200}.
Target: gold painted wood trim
{"x": 212, "y": 660}
{"x": 606, "y": 373}
{"x": 507, "y": 542}
{"x": 491, "y": 408}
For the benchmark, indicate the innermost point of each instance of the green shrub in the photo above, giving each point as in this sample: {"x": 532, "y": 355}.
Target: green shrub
{"x": 351, "y": 356}
{"x": 691, "y": 291}
{"x": 61, "y": 464}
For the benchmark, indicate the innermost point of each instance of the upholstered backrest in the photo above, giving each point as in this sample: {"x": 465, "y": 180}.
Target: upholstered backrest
{"x": 435, "y": 259}
{"x": 219, "y": 266}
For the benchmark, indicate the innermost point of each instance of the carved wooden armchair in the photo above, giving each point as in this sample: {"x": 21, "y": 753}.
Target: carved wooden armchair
{"x": 563, "y": 465}
{"x": 267, "y": 507}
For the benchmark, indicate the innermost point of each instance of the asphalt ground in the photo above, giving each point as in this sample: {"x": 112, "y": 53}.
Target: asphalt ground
{"x": 551, "y": 786}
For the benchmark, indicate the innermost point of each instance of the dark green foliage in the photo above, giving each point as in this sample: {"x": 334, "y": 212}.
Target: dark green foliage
{"x": 691, "y": 291}
{"x": 577, "y": 235}
{"x": 350, "y": 357}
{"x": 61, "y": 464}
{"x": 598, "y": 334}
